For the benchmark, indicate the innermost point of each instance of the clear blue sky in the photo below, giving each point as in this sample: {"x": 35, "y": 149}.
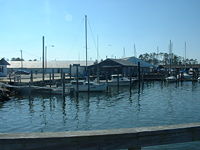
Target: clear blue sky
{"x": 118, "y": 23}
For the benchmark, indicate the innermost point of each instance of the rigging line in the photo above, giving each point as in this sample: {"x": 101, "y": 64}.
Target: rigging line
{"x": 93, "y": 38}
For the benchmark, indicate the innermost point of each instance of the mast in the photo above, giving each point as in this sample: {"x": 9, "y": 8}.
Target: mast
{"x": 86, "y": 40}
{"x": 21, "y": 59}
{"x": 185, "y": 55}
{"x": 170, "y": 56}
{"x": 135, "y": 53}
{"x": 97, "y": 49}
{"x": 43, "y": 58}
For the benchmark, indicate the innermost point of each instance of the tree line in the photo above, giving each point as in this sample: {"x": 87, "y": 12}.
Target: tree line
{"x": 166, "y": 59}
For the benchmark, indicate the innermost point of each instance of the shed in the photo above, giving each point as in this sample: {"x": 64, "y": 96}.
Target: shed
{"x": 113, "y": 66}
{"x": 145, "y": 66}
{"x": 3, "y": 67}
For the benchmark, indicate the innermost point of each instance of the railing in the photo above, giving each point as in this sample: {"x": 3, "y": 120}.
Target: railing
{"x": 131, "y": 138}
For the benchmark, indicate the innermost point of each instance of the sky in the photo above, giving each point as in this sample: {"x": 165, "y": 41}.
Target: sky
{"x": 118, "y": 25}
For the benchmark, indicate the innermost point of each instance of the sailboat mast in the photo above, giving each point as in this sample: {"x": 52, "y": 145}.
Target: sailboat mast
{"x": 135, "y": 53}
{"x": 185, "y": 54}
{"x": 86, "y": 41}
{"x": 170, "y": 56}
{"x": 97, "y": 49}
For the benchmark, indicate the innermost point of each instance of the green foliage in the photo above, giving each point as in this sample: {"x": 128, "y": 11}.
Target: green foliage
{"x": 17, "y": 59}
{"x": 166, "y": 59}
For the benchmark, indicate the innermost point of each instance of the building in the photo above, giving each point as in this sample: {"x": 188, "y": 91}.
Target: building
{"x": 125, "y": 66}
{"x": 145, "y": 67}
{"x": 3, "y": 67}
{"x": 113, "y": 66}
{"x": 50, "y": 66}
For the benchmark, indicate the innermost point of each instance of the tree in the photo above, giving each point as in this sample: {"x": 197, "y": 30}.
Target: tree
{"x": 17, "y": 59}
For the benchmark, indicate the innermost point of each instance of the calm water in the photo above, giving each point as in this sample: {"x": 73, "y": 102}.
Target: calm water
{"x": 155, "y": 103}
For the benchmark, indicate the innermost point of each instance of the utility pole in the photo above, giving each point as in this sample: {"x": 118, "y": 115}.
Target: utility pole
{"x": 42, "y": 58}
{"x": 21, "y": 59}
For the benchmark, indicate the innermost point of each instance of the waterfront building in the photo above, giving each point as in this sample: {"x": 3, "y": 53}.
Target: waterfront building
{"x": 54, "y": 65}
{"x": 3, "y": 67}
{"x": 125, "y": 66}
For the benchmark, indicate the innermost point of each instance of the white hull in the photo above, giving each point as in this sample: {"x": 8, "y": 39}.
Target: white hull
{"x": 114, "y": 83}
{"x": 93, "y": 88}
{"x": 171, "y": 79}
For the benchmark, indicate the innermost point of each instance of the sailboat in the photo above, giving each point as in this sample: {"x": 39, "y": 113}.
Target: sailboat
{"x": 171, "y": 78}
{"x": 87, "y": 86}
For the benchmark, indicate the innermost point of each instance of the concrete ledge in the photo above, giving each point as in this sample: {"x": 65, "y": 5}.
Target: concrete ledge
{"x": 102, "y": 139}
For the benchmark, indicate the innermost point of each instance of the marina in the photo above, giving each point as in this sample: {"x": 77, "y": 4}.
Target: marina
{"x": 99, "y": 75}
{"x": 150, "y": 104}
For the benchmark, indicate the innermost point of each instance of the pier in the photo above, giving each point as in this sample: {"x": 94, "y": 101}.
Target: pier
{"x": 130, "y": 138}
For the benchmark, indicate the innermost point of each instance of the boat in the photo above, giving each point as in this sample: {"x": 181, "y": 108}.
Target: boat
{"x": 82, "y": 86}
{"x": 119, "y": 78}
{"x": 187, "y": 76}
{"x": 171, "y": 79}
{"x": 198, "y": 78}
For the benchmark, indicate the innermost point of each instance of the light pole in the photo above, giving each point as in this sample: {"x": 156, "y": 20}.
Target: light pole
{"x": 46, "y": 47}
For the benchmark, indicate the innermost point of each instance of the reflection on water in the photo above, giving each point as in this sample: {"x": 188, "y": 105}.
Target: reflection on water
{"x": 146, "y": 104}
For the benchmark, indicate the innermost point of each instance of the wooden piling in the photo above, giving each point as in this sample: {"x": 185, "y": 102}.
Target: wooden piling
{"x": 139, "y": 72}
{"x": 70, "y": 71}
{"x": 130, "y": 75}
{"x": 77, "y": 85}
{"x": 118, "y": 80}
{"x": 88, "y": 77}
{"x": 107, "y": 80}
{"x": 10, "y": 77}
{"x": 50, "y": 81}
{"x": 61, "y": 74}
{"x": 63, "y": 83}
{"x": 31, "y": 77}
{"x": 53, "y": 74}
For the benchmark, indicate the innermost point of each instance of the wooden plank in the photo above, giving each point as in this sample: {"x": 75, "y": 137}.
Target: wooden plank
{"x": 102, "y": 139}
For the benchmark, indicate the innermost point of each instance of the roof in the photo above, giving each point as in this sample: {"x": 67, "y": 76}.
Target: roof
{"x": 3, "y": 62}
{"x": 123, "y": 62}
{"x": 50, "y": 64}
{"x": 136, "y": 60}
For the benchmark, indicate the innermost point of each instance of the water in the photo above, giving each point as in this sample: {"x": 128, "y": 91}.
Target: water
{"x": 155, "y": 103}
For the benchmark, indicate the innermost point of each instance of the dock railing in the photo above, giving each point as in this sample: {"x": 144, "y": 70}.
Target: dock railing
{"x": 130, "y": 138}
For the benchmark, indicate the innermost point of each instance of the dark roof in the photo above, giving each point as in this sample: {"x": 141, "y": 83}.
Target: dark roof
{"x": 135, "y": 60}
{"x": 3, "y": 62}
{"x": 123, "y": 62}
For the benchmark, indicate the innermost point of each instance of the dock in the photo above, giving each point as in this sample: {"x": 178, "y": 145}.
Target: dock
{"x": 130, "y": 138}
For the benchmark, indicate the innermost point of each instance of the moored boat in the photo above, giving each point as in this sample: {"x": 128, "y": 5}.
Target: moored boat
{"x": 171, "y": 79}
{"x": 119, "y": 79}
{"x": 82, "y": 86}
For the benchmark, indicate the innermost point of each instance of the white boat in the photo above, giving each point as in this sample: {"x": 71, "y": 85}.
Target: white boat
{"x": 83, "y": 86}
{"x": 171, "y": 79}
{"x": 187, "y": 76}
{"x": 119, "y": 78}
{"x": 198, "y": 78}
